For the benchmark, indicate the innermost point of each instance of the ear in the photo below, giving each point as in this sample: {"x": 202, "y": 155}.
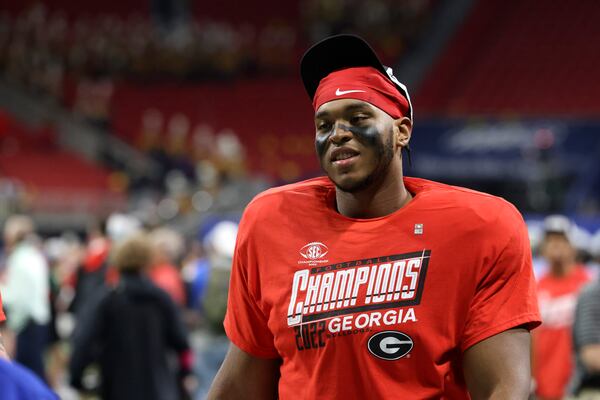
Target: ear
{"x": 402, "y": 130}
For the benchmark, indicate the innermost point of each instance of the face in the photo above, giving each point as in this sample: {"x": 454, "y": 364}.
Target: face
{"x": 557, "y": 249}
{"x": 355, "y": 143}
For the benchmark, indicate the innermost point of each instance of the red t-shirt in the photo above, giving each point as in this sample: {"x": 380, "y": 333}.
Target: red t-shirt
{"x": 553, "y": 343}
{"x": 377, "y": 308}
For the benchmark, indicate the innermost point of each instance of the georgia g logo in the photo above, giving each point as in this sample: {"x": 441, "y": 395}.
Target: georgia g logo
{"x": 390, "y": 345}
{"x": 314, "y": 251}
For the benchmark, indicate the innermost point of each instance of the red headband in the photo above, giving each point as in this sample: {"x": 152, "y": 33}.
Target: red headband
{"x": 362, "y": 83}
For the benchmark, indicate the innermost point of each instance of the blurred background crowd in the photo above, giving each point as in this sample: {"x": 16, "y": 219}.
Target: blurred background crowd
{"x": 140, "y": 129}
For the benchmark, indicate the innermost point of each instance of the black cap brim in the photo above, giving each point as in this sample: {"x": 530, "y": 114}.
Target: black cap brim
{"x": 340, "y": 52}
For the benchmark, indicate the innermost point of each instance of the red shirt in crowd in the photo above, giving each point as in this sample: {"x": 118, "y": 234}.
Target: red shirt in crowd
{"x": 553, "y": 347}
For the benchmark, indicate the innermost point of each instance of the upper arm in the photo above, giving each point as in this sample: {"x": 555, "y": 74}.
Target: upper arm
{"x": 244, "y": 376}
{"x": 505, "y": 294}
{"x": 499, "y": 367}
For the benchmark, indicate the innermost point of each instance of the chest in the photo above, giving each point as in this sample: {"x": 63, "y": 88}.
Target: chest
{"x": 329, "y": 286}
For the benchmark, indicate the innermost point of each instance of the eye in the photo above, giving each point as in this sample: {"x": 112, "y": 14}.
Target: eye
{"x": 324, "y": 126}
{"x": 358, "y": 118}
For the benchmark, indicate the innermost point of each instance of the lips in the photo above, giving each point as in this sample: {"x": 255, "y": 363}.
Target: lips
{"x": 342, "y": 154}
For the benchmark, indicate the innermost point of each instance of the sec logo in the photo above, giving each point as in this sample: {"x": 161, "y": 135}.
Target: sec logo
{"x": 390, "y": 345}
{"x": 314, "y": 251}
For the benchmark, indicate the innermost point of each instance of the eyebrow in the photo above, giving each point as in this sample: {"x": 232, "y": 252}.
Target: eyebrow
{"x": 349, "y": 108}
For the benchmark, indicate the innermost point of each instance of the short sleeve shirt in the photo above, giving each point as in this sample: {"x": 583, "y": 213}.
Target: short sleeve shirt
{"x": 383, "y": 307}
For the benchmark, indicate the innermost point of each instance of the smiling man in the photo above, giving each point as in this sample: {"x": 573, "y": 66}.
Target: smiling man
{"x": 369, "y": 285}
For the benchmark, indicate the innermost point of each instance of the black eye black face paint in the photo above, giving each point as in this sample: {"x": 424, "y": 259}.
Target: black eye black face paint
{"x": 367, "y": 135}
{"x": 321, "y": 142}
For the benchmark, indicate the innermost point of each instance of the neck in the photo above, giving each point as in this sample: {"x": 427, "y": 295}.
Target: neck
{"x": 378, "y": 200}
{"x": 562, "y": 269}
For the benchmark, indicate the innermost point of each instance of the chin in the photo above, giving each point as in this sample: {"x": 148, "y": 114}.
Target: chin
{"x": 350, "y": 185}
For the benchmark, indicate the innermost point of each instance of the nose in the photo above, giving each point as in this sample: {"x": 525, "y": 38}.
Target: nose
{"x": 341, "y": 134}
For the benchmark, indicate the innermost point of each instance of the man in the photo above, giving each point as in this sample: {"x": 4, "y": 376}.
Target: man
{"x": 368, "y": 285}
{"x": 586, "y": 340}
{"x": 167, "y": 247}
{"x": 26, "y": 293}
{"x": 558, "y": 289}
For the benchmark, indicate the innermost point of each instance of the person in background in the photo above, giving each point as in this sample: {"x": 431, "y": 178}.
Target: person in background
{"x": 558, "y": 289}
{"x": 586, "y": 341}
{"x": 130, "y": 331}
{"x": 167, "y": 248}
{"x": 64, "y": 254}
{"x": 26, "y": 293}
{"x": 91, "y": 275}
{"x": 212, "y": 344}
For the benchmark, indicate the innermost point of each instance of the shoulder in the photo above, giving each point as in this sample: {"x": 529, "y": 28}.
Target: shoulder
{"x": 306, "y": 193}
{"x": 18, "y": 381}
{"x": 28, "y": 253}
{"x": 471, "y": 205}
{"x": 150, "y": 289}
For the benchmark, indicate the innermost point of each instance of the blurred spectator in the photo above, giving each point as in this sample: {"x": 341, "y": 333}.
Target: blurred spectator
{"x": 557, "y": 293}
{"x": 64, "y": 255}
{"x": 230, "y": 153}
{"x": 130, "y": 331}
{"x": 26, "y": 293}
{"x": 211, "y": 286}
{"x": 93, "y": 99}
{"x": 18, "y": 383}
{"x": 176, "y": 144}
{"x": 586, "y": 340}
{"x": 91, "y": 276}
{"x": 167, "y": 248}
{"x": 150, "y": 141}
{"x": 45, "y": 51}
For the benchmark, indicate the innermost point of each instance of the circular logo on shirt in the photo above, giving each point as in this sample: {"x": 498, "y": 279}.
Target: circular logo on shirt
{"x": 314, "y": 251}
{"x": 390, "y": 345}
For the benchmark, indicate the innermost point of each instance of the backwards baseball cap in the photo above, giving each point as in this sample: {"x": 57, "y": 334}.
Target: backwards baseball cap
{"x": 345, "y": 66}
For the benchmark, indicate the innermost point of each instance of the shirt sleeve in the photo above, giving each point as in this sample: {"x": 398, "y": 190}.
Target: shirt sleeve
{"x": 505, "y": 295}
{"x": 586, "y": 329}
{"x": 246, "y": 323}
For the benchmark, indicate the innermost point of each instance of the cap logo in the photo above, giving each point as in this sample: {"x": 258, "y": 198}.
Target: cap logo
{"x": 339, "y": 92}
